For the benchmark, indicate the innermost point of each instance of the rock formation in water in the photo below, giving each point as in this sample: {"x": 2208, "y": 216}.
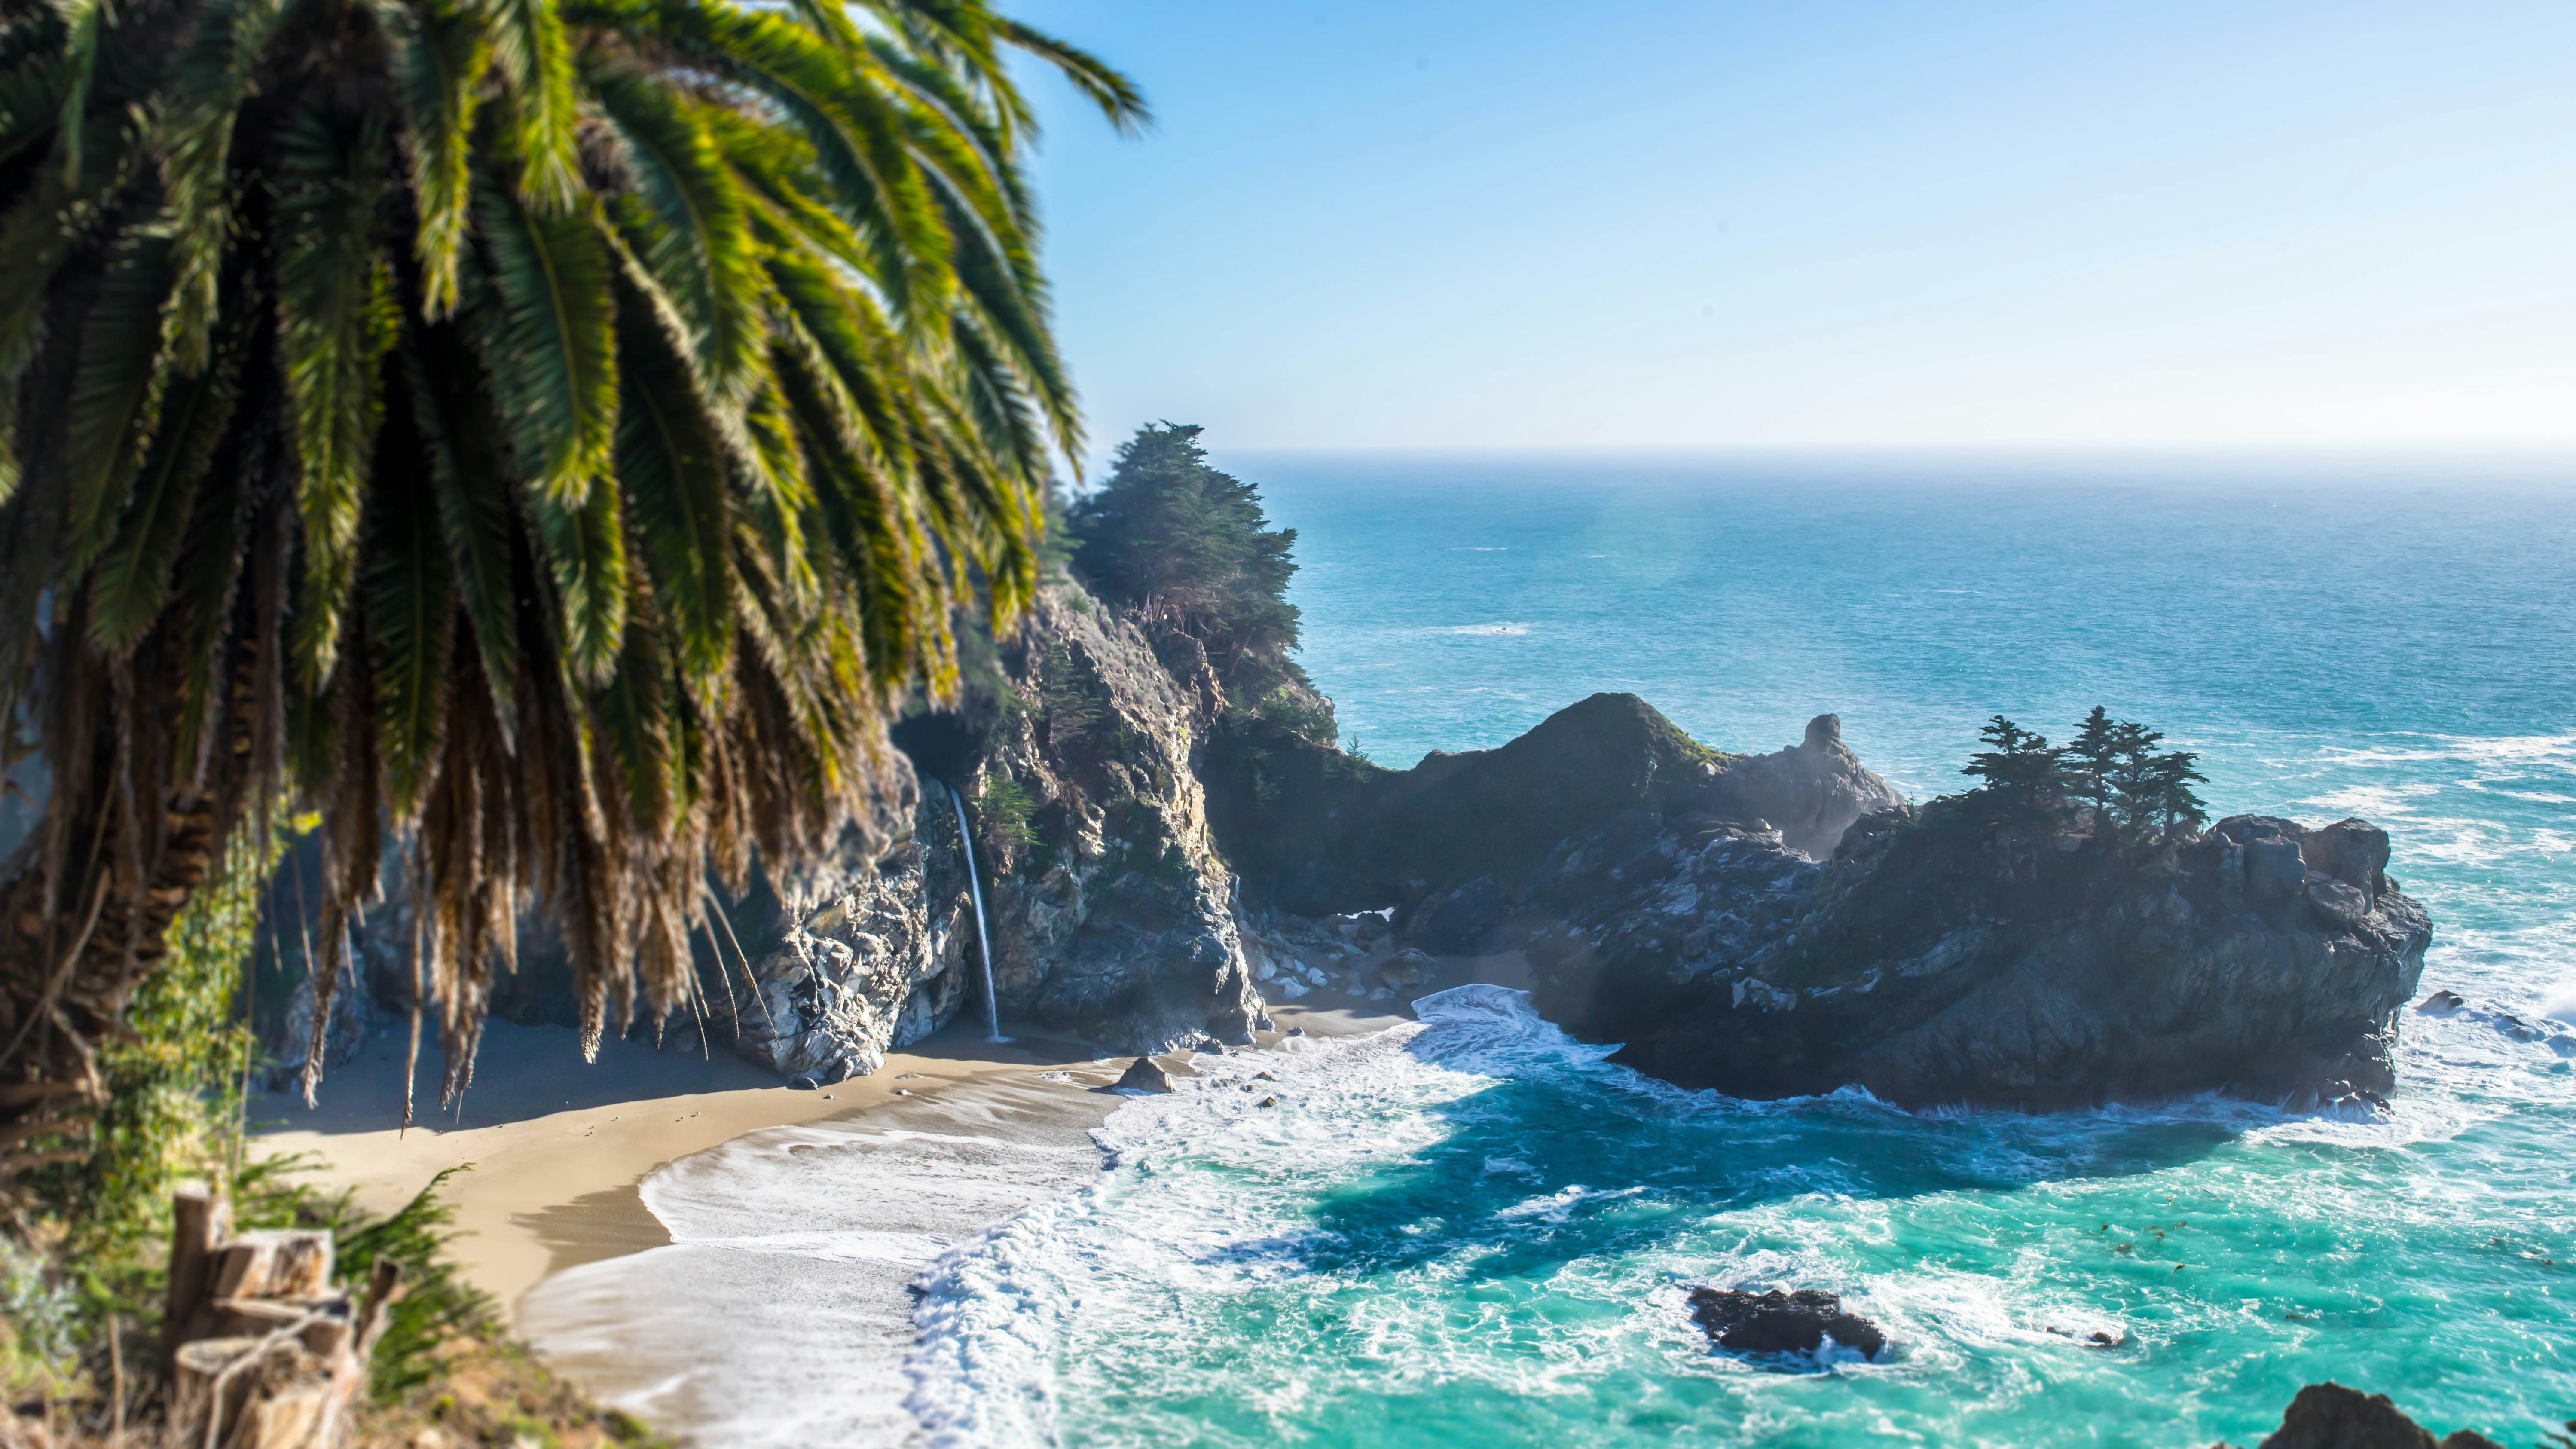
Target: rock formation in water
{"x": 1939, "y": 958}
{"x": 1781, "y": 1322}
{"x": 1783, "y": 924}
{"x": 2330, "y": 1416}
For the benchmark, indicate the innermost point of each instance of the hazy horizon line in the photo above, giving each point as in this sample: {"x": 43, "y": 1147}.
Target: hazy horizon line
{"x": 2533, "y": 451}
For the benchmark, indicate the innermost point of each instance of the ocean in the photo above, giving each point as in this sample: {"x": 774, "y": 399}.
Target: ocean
{"x": 1473, "y": 1231}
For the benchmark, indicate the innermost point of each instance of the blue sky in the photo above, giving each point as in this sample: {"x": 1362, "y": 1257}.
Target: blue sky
{"x": 1624, "y": 223}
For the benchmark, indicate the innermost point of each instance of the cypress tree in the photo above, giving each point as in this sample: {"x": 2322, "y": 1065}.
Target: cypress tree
{"x": 2090, "y": 758}
{"x": 2020, "y": 768}
{"x": 2176, "y": 803}
{"x": 1190, "y": 546}
{"x": 2136, "y": 791}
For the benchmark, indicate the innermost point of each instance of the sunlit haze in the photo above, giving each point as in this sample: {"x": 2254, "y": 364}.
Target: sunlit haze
{"x": 1691, "y": 225}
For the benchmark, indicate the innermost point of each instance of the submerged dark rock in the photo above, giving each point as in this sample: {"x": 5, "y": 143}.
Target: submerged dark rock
{"x": 1780, "y": 1322}
{"x": 2330, "y": 1416}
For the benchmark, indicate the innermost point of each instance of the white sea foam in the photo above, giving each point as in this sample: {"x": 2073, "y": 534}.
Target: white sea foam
{"x": 1483, "y": 631}
{"x": 1220, "y": 1211}
{"x": 2561, "y": 1003}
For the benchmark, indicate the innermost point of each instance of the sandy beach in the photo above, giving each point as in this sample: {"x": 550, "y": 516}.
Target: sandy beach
{"x": 556, "y": 1146}
{"x": 956, "y": 1134}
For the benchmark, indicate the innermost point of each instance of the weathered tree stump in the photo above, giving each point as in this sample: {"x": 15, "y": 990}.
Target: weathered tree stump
{"x": 262, "y": 1351}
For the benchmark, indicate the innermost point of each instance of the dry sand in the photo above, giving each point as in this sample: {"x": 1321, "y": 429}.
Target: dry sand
{"x": 557, "y": 1146}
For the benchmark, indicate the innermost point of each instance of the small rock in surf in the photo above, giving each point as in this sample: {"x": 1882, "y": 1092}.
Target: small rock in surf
{"x": 1777, "y": 1322}
{"x": 1145, "y": 1076}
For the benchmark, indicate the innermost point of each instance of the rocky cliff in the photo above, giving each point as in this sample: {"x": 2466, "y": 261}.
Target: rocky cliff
{"x": 1941, "y": 958}
{"x": 1106, "y": 899}
{"x": 1768, "y": 925}
{"x": 1317, "y": 832}
{"x": 1110, "y": 902}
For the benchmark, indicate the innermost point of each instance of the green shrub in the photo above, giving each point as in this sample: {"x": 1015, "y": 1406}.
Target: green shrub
{"x": 1006, "y": 808}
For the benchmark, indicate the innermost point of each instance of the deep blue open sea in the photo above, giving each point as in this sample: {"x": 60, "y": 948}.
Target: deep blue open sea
{"x": 1472, "y": 1231}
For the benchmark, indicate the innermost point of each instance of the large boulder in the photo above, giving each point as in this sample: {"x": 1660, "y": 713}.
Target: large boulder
{"x": 871, "y": 954}
{"x": 1810, "y": 792}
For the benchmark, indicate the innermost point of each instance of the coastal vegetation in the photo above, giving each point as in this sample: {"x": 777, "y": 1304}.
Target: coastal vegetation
{"x": 543, "y": 439}
{"x": 2134, "y": 793}
{"x": 533, "y": 445}
{"x": 1190, "y": 548}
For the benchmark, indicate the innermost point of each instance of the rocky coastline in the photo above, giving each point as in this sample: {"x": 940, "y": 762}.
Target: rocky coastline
{"x": 1159, "y": 864}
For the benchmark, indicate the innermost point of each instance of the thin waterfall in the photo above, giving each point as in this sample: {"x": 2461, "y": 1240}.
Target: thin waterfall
{"x": 983, "y": 938}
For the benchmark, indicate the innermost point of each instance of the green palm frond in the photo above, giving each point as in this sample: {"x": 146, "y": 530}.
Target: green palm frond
{"x": 441, "y": 58}
{"x": 411, "y": 618}
{"x": 836, "y": 102}
{"x": 672, "y": 468}
{"x": 207, "y": 86}
{"x": 337, "y": 320}
{"x": 558, "y": 432}
{"x": 47, "y": 226}
{"x": 134, "y": 574}
{"x": 83, "y": 20}
{"x": 534, "y": 52}
{"x": 691, "y": 232}
{"x": 552, "y": 350}
{"x": 475, "y": 516}
{"x": 1117, "y": 97}
{"x": 584, "y": 547}
{"x": 115, "y": 392}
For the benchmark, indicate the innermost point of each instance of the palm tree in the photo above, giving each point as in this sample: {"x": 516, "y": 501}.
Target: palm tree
{"x": 544, "y": 435}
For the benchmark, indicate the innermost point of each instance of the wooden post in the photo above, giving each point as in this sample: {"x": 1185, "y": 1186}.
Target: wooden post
{"x": 262, "y": 1351}
{"x": 200, "y": 1220}
{"x": 115, "y": 1382}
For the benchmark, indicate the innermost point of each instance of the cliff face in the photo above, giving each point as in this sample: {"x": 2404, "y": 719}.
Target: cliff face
{"x": 1318, "y": 832}
{"x": 1107, "y": 902}
{"x": 1939, "y": 959}
{"x": 1110, "y": 903}
{"x": 871, "y": 954}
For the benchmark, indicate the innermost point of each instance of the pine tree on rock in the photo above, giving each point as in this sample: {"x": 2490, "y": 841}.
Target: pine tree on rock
{"x": 2090, "y": 759}
{"x": 2178, "y": 808}
{"x": 2020, "y": 769}
{"x": 2137, "y": 788}
{"x": 1190, "y": 547}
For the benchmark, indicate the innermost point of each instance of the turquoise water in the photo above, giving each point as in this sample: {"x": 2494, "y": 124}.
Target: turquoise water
{"x": 1472, "y": 1231}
